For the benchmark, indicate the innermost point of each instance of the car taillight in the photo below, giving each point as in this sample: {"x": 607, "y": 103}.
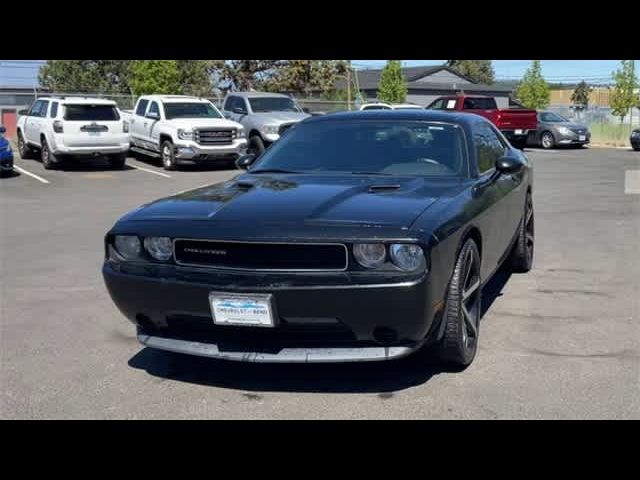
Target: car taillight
{"x": 57, "y": 126}
{"x": 125, "y": 127}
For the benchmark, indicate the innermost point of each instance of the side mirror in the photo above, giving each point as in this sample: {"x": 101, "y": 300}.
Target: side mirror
{"x": 509, "y": 164}
{"x": 239, "y": 110}
{"x": 153, "y": 115}
{"x": 245, "y": 161}
{"x": 2, "y": 129}
{"x": 23, "y": 112}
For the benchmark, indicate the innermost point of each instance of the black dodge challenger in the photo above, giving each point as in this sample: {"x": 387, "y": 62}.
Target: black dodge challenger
{"x": 358, "y": 236}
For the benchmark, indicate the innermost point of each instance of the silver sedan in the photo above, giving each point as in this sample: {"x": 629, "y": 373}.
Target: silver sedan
{"x": 554, "y": 130}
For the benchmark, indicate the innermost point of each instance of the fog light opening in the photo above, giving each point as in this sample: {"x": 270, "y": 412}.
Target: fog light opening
{"x": 385, "y": 335}
{"x": 144, "y": 322}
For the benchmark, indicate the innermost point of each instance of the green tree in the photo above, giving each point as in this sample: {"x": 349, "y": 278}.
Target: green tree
{"x": 195, "y": 77}
{"x": 392, "y": 87}
{"x": 624, "y": 97}
{"x": 154, "y": 76}
{"x": 245, "y": 74}
{"x": 533, "y": 91}
{"x": 306, "y": 76}
{"x": 480, "y": 71}
{"x": 80, "y": 76}
{"x": 580, "y": 96}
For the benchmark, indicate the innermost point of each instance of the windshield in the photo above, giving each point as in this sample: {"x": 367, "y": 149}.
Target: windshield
{"x": 273, "y": 104}
{"x": 91, "y": 112}
{"x": 191, "y": 110}
{"x": 368, "y": 146}
{"x": 551, "y": 117}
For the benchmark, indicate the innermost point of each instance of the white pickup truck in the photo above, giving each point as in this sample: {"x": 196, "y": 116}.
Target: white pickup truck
{"x": 180, "y": 129}
{"x": 62, "y": 127}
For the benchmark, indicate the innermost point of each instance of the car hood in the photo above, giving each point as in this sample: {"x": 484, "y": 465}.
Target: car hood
{"x": 187, "y": 123}
{"x": 302, "y": 200}
{"x": 280, "y": 117}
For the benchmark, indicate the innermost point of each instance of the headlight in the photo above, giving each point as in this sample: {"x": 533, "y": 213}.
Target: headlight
{"x": 370, "y": 255}
{"x": 635, "y": 133}
{"x": 407, "y": 257}
{"x": 269, "y": 129}
{"x": 185, "y": 134}
{"x": 158, "y": 247}
{"x": 128, "y": 246}
{"x": 241, "y": 133}
{"x": 564, "y": 130}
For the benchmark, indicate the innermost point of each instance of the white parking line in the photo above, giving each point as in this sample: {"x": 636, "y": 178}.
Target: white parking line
{"x": 632, "y": 182}
{"x": 150, "y": 171}
{"x": 22, "y": 170}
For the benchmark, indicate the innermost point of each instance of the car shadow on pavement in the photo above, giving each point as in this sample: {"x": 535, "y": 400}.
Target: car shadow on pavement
{"x": 383, "y": 378}
{"x": 186, "y": 167}
{"x": 90, "y": 165}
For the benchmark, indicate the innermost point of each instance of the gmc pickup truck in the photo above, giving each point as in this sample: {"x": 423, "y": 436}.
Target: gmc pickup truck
{"x": 181, "y": 129}
{"x": 514, "y": 123}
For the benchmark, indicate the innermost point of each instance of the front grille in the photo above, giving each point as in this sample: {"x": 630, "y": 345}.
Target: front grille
{"x": 285, "y": 334}
{"x": 260, "y": 256}
{"x": 284, "y": 128}
{"x": 579, "y": 131}
{"x": 218, "y": 136}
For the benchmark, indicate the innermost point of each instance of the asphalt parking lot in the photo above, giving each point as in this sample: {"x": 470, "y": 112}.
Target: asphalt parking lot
{"x": 560, "y": 342}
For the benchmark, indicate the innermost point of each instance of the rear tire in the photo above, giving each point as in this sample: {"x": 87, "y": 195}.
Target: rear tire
{"x": 522, "y": 253}
{"x": 49, "y": 160}
{"x": 117, "y": 161}
{"x": 168, "y": 154}
{"x": 462, "y": 310}
{"x": 25, "y": 151}
{"x": 256, "y": 145}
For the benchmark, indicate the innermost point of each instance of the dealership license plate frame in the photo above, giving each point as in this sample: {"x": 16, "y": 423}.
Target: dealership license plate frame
{"x": 582, "y": 138}
{"x": 264, "y": 300}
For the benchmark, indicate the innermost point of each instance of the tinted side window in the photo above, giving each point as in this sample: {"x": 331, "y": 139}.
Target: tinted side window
{"x": 437, "y": 105}
{"x": 479, "y": 104}
{"x": 154, "y": 108}
{"x": 228, "y": 104}
{"x": 44, "y": 108}
{"x": 142, "y": 107}
{"x": 54, "y": 110}
{"x": 488, "y": 147}
{"x": 35, "y": 109}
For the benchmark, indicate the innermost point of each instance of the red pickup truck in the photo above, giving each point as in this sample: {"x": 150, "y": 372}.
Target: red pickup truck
{"x": 514, "y": 123}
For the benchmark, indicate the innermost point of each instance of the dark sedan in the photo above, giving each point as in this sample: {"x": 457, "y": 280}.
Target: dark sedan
{"x": 358, "y": 236}
{"x": 635, "y": 139}
{"x": 554, "y": 130}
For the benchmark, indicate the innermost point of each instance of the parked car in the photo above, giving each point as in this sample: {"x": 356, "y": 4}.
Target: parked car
{"x": 514, "y": 123}
{"x": 6, "y": 154}
{"x": 555, "y": 130}
{"x": 181, "y": 129}
{"x": 265, "y": 116}
{"x": 635, "y": 139}
{"x": 358, "y": 236}
{"x": 389, "y": 106}
{"x": 80, "y": 127}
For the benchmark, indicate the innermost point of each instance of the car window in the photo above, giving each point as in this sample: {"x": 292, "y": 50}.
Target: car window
{"x": 272, "y": 104}
{"x": 374, "y": 146}
{"x": 154, "y": 108}
{"x": 54, "y": 110}
{"x": 229, "y": 103}
{"x": 550, "y": 117}
{"x": 142, "y": 107}
{"x": 479, "y": 104}
{"x": 35, "y": 109}
{"x": 437, "y": 105}
{"x": 87, "y": 112}
{"x": 44, "y": 108}
{"x": 190, "y": 110}
{"x": 488, "y": 146}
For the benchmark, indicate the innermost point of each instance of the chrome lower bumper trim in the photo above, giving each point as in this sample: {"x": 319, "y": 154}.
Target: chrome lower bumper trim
{"x": 286, "y": 355}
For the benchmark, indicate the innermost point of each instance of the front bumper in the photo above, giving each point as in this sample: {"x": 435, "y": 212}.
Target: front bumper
{"x": 6, "y": 161}
{"x": 318, "y": 319}
{"x": 635, "y": 141}
{"x": 572, "y": 139}
{"x": 188, "y": 150}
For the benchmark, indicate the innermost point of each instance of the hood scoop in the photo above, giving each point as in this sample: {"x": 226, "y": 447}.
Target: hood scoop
{"x": 383, "y": 188}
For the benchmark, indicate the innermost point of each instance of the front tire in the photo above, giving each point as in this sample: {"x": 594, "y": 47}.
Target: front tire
{"x": 49, "y": 160}
{"x": 168, "y": 155}
{"x": 522, "y": 253}
{"x": 256, "y": 145}
{"x": 547, "y": 141}
{"x": 462, "y": 310}
{"x": 24, "y": 150}
{"x": 636, "y": 148}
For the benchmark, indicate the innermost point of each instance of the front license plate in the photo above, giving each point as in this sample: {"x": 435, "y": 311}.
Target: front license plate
{"x": 582, "y": 138}
{"x": 94, "y": 134}
{"x": 255, "y": 310}
{"x": 519, "y": 131}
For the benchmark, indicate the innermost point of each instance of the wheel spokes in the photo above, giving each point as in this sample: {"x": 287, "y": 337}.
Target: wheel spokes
{"x": 470, "y": 290}
{"x": 469, "y": 323}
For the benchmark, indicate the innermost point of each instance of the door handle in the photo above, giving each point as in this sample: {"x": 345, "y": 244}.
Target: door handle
{"x": 145, "y": 124}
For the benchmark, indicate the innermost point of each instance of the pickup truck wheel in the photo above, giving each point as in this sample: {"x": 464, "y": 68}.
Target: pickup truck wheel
{"x": 49, "y": 160}
{"x": 24, "y": 150}
{"x": 167, "y": 153}
{"x": 117, "y": 161}
{"x": 547, "y": 141}
{"x": 462, "y": 310}
{"x": 522, "y": 253}
{"x": 256, "y": 145}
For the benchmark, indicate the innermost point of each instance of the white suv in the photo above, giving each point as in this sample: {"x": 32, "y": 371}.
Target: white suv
{"x": 73, "y": 126}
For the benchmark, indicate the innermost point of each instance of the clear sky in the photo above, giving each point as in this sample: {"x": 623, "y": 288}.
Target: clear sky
{"x": 24, "y": 73}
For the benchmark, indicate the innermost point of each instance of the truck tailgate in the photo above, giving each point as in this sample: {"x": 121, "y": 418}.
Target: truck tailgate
{"x": 512, "y": 118}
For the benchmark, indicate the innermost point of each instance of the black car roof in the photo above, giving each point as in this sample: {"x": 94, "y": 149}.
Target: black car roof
{"x": 465, "y": 119}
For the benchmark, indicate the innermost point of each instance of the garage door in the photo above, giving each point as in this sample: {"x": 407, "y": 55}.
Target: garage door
{"x": 8, "y": 119}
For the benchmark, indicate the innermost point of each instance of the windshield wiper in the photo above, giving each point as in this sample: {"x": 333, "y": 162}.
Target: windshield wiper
{"x": 271, "y": 170}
